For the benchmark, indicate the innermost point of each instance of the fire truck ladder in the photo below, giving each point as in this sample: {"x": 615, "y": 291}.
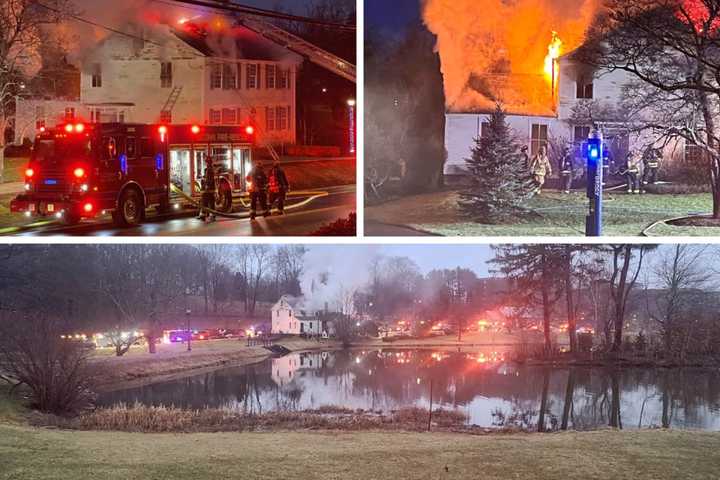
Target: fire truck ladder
{"x": 296, "y": 44}
{"x": 170, "y": 102}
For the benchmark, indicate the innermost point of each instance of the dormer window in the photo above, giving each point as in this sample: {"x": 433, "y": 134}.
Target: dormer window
{"x": 584, "y": 87}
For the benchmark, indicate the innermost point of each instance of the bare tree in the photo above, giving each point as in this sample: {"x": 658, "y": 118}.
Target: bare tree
{"x": 55, "y": 370}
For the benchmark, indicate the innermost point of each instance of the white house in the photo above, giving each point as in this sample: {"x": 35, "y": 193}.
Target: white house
{"x": 189, "y": 73}
{"x": 288, "y": 319}
{"x": 287, "y": 367}
{"x": 542, "y": 114}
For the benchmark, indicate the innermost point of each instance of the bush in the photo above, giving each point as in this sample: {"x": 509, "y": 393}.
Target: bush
{"x": 344, "y": 227}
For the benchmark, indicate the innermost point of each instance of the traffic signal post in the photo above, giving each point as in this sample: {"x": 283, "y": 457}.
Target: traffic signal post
{"x": 594, "y": 157}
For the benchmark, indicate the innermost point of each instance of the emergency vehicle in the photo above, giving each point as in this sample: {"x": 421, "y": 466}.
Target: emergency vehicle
{"x": 79, "y": 170}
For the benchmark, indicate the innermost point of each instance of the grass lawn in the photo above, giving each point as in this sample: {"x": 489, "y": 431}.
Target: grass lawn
{"x": 14, "y": 168}
{"x": 32, "y": 453}
{"x": 319, "y": 174}
{"x": 555, "y": 215}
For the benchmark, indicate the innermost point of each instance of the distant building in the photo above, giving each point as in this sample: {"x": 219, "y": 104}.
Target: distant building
{"x": 288, "y": 319}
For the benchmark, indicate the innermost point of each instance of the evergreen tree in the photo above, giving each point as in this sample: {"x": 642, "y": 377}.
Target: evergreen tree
{"x": 500, "y": 174}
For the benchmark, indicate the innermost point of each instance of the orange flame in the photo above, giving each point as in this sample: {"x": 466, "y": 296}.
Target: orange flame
{"x": 552, "y": 56}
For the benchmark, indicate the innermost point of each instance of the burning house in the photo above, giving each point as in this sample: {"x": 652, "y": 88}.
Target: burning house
{"x": 193, "y": 72}
{"x": 522, "y": 54}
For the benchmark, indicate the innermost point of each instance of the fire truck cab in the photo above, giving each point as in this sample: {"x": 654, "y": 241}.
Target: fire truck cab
{"x": 79, "y": 170}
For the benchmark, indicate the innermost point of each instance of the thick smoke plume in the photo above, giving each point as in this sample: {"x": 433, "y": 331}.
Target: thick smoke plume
{"x": 331, "y": 275}
{"x": 477, "y": 39}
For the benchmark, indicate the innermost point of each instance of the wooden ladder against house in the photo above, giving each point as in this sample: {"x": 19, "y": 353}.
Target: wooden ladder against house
{"x": 296, "y": 44}
{"x": 172, "y": 99}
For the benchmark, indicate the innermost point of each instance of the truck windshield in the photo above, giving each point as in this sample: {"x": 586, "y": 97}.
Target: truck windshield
{"x": 60, "y": 151}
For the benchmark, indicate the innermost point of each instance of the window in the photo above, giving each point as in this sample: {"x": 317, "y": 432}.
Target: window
{"x": 484, "y": 129}
{"x": 130, "y": 147}
{"x": 215, "y": 76}
{"x": 228, "y": 116}
{"x": 146, "y": 149}
{"x": 252, "y": 76}
{"x": 694, "y": 154}
{"x": 270, "y": 118}
{"x": 283, "y": 79}
{"x": 238, "y": 68}
{"x": 270, "y": 76}
{"x": 282, "y": 118}
{"x": 581, "y": 133}
{"x": 165, "y": 74}
{"x": 166, "y": 116}
{"x": 121, "y": 116}
{"x": 96, "y": 75}
{"x": 215, "y": 117}
{"x": 584, "y": 88}
{"x": 538, "y": 137}
{"x": 229, "y": 81}
{"x": 69, "y": 113}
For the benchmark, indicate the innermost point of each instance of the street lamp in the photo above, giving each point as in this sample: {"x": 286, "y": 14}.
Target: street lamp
{"x": 187, "y": 318}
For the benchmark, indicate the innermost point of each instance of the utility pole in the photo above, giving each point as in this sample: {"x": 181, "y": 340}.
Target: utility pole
{"x": 458, "y": 296}
{"x": 187, "y": 318}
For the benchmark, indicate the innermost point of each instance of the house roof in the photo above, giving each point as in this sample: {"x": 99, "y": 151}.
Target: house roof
{"x": 520, "y": 94}
{"x": 287, "y": 301}
{"x": 233, "y": 42}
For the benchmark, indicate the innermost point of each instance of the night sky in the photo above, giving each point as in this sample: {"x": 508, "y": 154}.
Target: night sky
{"x": 391, "y": 16}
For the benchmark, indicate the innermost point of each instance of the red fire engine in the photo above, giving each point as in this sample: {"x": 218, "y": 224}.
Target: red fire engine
{"x": 79, "y": 170}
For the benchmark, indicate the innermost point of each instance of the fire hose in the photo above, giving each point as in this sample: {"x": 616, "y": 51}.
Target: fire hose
{"x": 312, "y": 195}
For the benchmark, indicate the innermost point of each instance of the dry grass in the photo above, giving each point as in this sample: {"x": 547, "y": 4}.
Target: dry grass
{"x": 323, "y": 173}
{"x": 148, "y": 419}
{"x": 38, "y": 454}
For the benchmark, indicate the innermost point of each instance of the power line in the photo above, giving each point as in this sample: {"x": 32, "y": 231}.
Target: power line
{"x": 244, "y": 9}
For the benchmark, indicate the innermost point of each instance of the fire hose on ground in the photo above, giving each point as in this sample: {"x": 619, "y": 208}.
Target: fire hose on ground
{"x": 312, "y": 195}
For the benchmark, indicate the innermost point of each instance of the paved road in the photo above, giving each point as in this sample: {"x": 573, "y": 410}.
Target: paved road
{"x": 338, "y": 204}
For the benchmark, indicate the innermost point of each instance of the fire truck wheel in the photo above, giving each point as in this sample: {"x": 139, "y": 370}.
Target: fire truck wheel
{"x": 71, "y": 219}
{"x": 130, "y": 208}
{"x": 223, "y": 202}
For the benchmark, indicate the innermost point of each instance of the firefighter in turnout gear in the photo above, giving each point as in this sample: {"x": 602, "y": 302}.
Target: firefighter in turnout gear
{"x": 257, "y": 182}
{"x": 278, "y": 186}
{"x": 651, "y": 165}
{"x": 524, "y": 151}
{"x": 209, "y": 189}
{"x": 567, "y": 169}
{"x": 540, "y": 167}
{"x": 633, "y": 173}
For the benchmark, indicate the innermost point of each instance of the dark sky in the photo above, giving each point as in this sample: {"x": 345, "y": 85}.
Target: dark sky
{"x": 392, "y": 15}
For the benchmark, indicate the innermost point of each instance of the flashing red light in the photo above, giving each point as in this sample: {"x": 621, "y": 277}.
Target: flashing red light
{"x": 195, "y": 129}
{"x": 42, "y": 129}
{"x": 29, "y": 172}
{"x": 79, "y": 172}
{"x": 249, "y": 129}
{"x": 68, "y": 128}
{"x": 88, "y": 207}
{"x": 79, "y": 127}
{"x": 162, "y": 129}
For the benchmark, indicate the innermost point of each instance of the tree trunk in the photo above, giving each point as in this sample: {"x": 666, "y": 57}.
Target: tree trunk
{"x": 567, "y": 407}
{"x": 615, "y": 420}
{"x": 546, "y": 306}
{"x": 2, "y": 159}
{"x": 544, "y": 400}
{"x": 714, "y": 163}
{"x": 152, "y": 348}
{"x": 572, "y": 327}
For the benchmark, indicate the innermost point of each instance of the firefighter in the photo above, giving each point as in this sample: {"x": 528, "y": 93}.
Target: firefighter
{"x": 278, "y": 187}
{"x": 208, "y": 191}
{"x": 540, "y": 167}
{"x": 567, "y": 168}
{"x": 257, "y": 187}
{"x": 651, "y": 165}
{"x": 633, "y": 173}
{"x": 524, "y": 151}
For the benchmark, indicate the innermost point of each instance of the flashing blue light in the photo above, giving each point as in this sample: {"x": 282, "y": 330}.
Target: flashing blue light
{"x": 159, "y": 161}
{"x": 51, "y": 182}
{"x": 593, "y": 153}
{"x": 123, "y": 164}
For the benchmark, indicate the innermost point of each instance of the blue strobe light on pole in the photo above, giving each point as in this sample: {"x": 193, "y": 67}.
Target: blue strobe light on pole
{"x": 594, "y": 157}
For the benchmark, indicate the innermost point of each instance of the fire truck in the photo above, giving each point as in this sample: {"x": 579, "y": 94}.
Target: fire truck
{"x": 79, "y": 170}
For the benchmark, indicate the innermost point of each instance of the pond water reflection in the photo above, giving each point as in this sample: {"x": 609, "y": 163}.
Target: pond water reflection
{"x": 489, "y": 390}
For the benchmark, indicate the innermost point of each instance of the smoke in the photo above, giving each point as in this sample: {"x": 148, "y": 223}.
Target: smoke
{"x": 331, "y": 274}
{"x": 501, "y": 37}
